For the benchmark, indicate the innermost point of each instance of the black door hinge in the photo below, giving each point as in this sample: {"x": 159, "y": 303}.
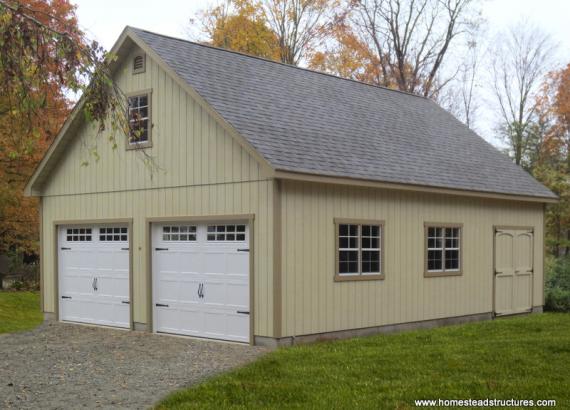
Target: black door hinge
{"x": 243, "y": 250}
{"x": 126, "y": 302}
{"x": 160, "y": 249}
{"x": 243, "y": 312}
{"x": 124, "y": 249}
{"x": 66, "y": 297}
{"x": 160, "y": 305}
{"x": 65, "y": 249}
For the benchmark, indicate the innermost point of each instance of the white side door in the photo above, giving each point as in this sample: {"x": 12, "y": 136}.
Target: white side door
{"x": 201, "y": 280}
{"x": 93, "y": 264}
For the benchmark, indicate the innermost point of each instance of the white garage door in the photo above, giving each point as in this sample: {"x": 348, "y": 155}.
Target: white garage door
{"x": 94, "y": 275}
{"x": 201, "y": 280}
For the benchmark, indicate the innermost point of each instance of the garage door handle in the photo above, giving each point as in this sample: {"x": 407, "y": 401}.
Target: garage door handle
{"x": 66, "y": 297}
{"x": 243, "y": 312}
{"x": 160, "y": 305}
{"x": 160, "y": 249}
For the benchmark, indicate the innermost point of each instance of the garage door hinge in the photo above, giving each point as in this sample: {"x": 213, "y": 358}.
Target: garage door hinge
{"x": 243, "y": 250}
{"x": 160, "y": 305}
{"x": 124, "y": 249}
{"x": 160, "y": 249}
{"x": 243, "y": 312}
{"x": 126, "y": 302}
{"x": 66, "y": 297}
{"x": 65, "y": 249}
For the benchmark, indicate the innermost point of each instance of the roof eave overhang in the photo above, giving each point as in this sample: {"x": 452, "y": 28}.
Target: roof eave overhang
{"x": 319, "y": 178}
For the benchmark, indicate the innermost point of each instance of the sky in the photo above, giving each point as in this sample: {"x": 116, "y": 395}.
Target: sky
{"x": 103, "y": 20}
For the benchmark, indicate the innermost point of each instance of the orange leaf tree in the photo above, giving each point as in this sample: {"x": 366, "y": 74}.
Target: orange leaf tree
{"x": 32, "y": 109}
{"x": 552, "y": 166}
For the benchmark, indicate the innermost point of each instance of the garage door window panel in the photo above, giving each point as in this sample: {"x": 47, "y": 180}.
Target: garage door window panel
{"x": 79, "y": 235}
{"x": 184, "y": 233}
{"x": 113, "y": 234}
{"x": 226, "y": 233}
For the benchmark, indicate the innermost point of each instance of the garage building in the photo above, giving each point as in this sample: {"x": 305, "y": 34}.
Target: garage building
{"x": 263, "y": 203}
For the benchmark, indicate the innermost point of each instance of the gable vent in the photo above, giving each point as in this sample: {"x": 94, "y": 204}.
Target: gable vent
{"x": 138, "y": 64}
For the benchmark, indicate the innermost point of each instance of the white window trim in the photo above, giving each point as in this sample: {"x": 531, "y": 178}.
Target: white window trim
{"x": 134, "y": 145}
{"x": 443, "y": 271}
{"x": 339, "y": 277}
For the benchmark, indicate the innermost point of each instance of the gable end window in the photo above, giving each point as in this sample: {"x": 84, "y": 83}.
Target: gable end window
{"x": 359, "y": 250}
{"x": 139, "y": 64}
{"x": 140, "y": 125}
{"x": 443, "y": 244}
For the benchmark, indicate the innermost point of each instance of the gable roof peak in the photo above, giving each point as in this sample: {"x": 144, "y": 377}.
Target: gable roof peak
{"x": 227, "y": 50}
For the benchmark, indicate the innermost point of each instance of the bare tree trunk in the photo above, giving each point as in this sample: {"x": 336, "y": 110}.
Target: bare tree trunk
{"x": 411, "y": 38}
{"x": 521, "y": 58}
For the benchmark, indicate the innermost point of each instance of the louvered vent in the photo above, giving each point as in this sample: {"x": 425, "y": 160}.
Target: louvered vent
{"x": 138, "y": 64}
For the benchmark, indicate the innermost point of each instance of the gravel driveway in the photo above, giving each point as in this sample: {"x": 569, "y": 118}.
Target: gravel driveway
{"x": 61, "y": 366}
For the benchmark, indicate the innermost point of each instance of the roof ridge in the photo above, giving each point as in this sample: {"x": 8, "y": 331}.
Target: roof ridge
{"x": 278, "y": 62}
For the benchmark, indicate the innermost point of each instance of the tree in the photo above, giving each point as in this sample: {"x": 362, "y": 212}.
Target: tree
{"x": 283, "y": 30}
{"x": 521, "y": 57}
{"x": 32, "y": 109}
{"x": 552, "y": 166}
{"x": 240, "y": 28}
{"x": 462, "y": 96}
{"x": 43, "y": 55}
{"x": 298, "y": 24}
{"x": 403, "y": 43}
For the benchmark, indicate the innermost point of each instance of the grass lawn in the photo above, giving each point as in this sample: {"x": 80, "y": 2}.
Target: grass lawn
{"x": 19, "y": 311}
{"x": 523, "y": 358}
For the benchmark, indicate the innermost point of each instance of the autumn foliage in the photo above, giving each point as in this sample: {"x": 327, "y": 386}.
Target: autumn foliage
{"x": 28, "y": 127}
{"x": 552, "y": 166}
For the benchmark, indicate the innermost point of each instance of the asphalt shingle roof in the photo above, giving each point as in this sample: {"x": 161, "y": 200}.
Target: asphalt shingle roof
{"x": 304, "y": 121}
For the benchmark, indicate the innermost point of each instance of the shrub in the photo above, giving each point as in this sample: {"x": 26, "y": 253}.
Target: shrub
{"x": 557, "y": 291}
{"x": 24, "y": 276}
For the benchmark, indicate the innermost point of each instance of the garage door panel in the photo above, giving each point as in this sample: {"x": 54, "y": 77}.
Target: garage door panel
{"x": 215, "y": 263}
{"x": 204, "y": 282}
{"x": 234, "y": 295}
{"x": 238, "y": 263}
{"x": 222, "y": 324}
{"x": 191, "y": 321}
{"x": 93, "y": 278}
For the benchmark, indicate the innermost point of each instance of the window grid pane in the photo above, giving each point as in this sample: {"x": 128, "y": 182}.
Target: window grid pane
{"x": 348, "y": 249}
{"x": 184, "y": 233}
{"x": 226, "y": 233}
{"x": 443, "y": 248}
{"x": 116, "y": 234}
{"x": 138, "y": 119}
{"x": 370, "y": 249}
{"x": 359, "y": 248}
{"x": 79, "y": 235}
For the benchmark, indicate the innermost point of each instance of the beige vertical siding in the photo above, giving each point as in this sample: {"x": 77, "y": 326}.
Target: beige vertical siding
{"x": 314, "y": 303}
{"x": 202, "y": 171}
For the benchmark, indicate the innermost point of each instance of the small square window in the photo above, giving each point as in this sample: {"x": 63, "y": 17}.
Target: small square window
{"x": 359, "y": 250}
{"x": 443, "y": 253}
